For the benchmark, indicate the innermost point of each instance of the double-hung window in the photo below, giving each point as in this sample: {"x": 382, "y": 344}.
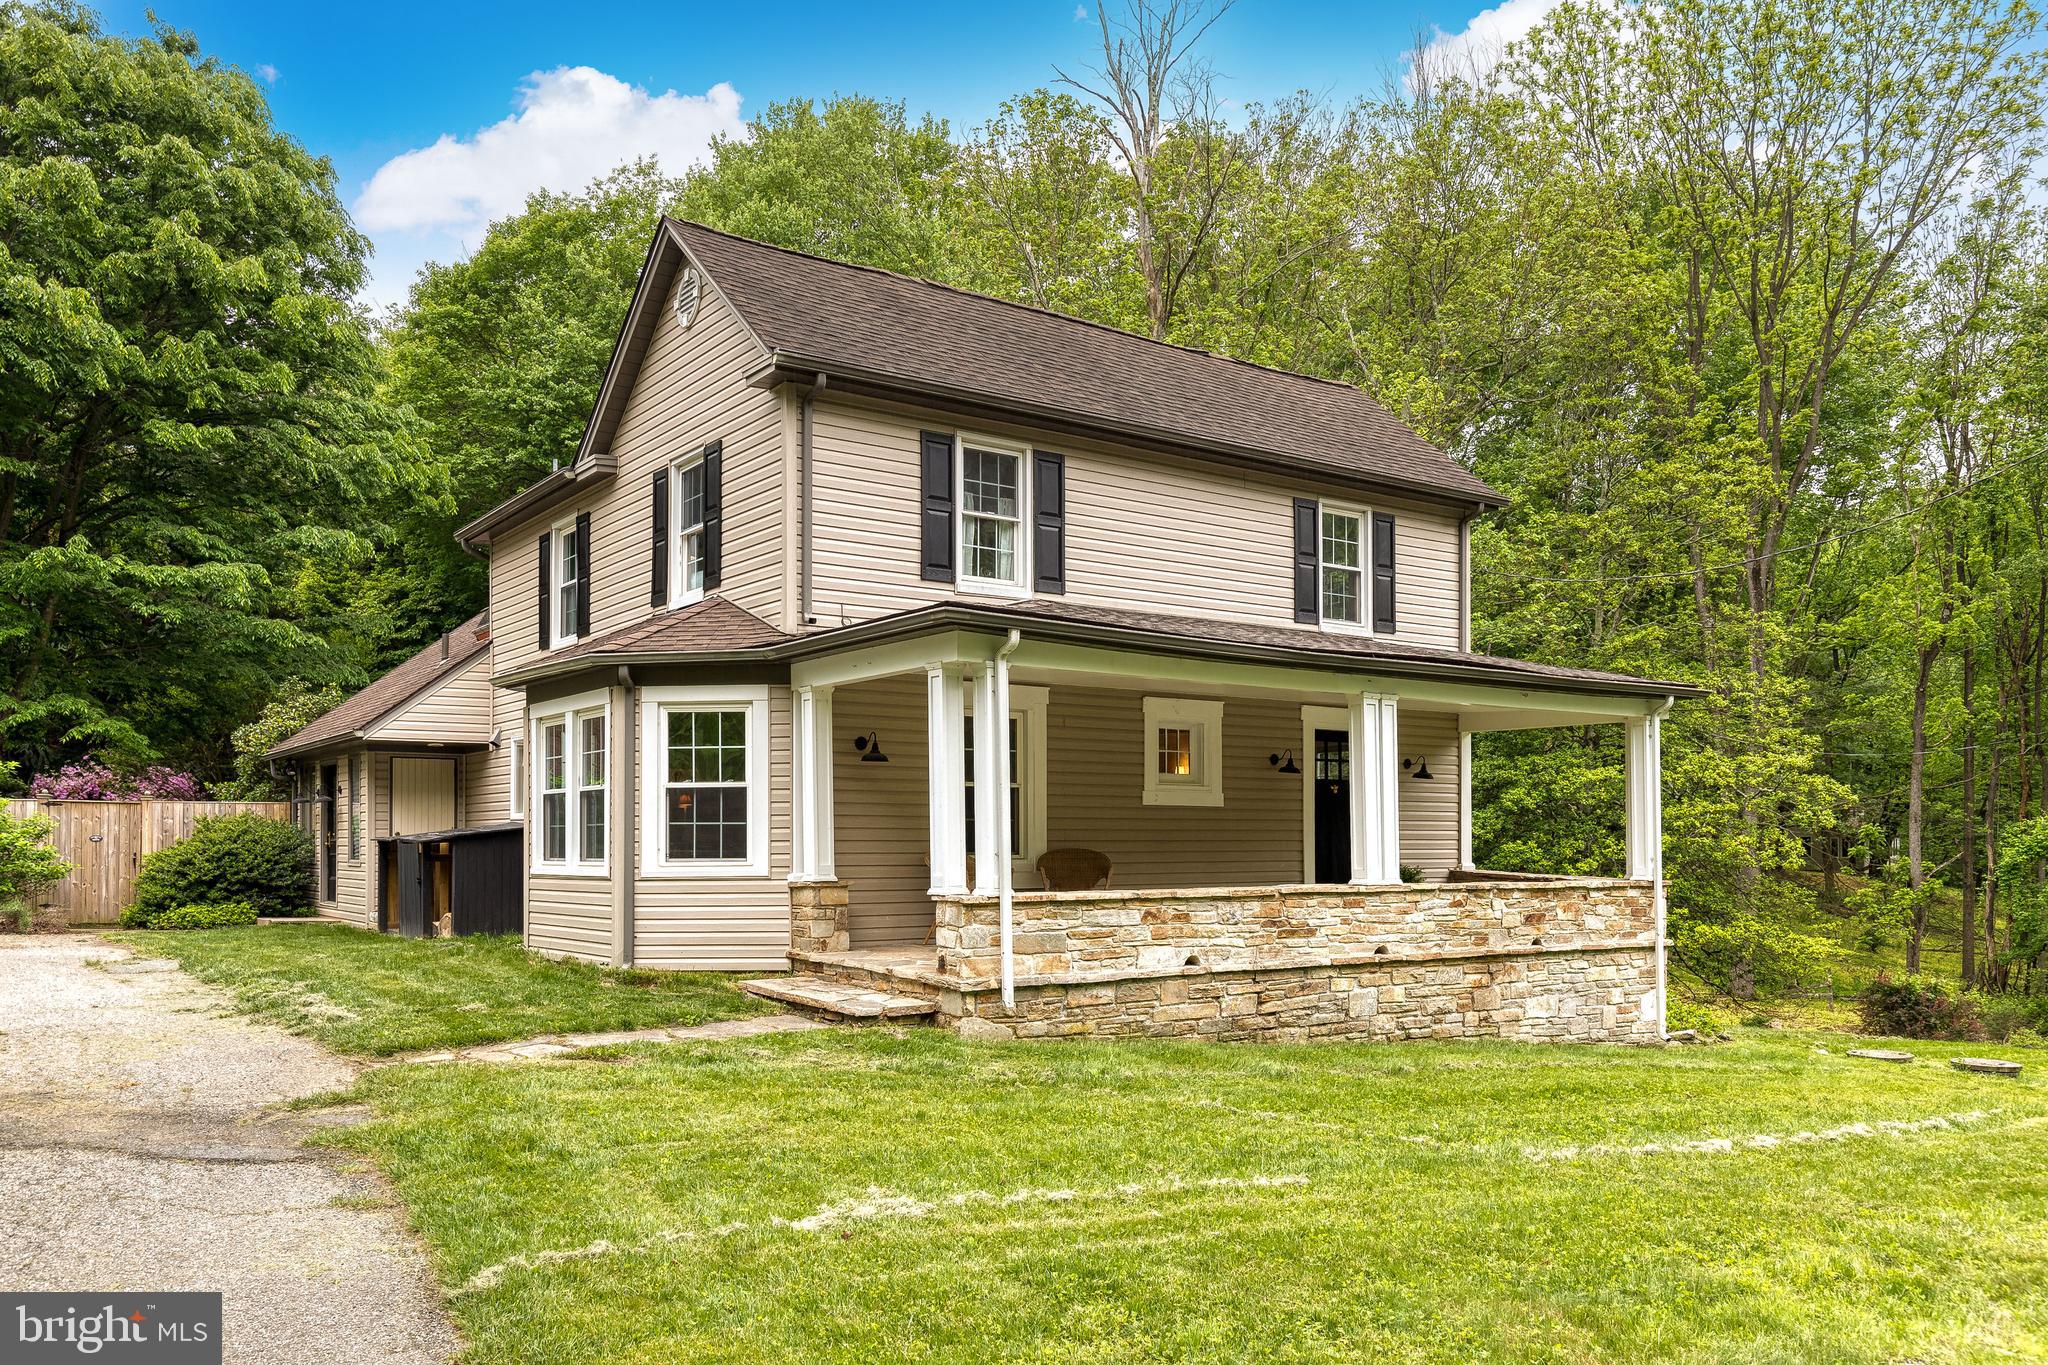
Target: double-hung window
{"x": 569, "y": 570}
{"x": 1343, "y": 566}
{"x": 992, "y": 517}
{"x": 687, "y": 576}
{"x": 707, "y": 807}
{"x": 571, "y": 794}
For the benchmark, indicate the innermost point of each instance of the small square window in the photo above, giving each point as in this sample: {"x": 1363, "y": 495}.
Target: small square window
{"x": 1184, "y": 752}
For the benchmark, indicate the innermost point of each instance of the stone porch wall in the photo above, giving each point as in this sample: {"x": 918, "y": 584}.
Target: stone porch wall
{"x": 1100, "y": 935}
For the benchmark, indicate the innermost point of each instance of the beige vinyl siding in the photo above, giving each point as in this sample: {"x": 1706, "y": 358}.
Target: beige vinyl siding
{"x": 1429, "y": 810}
{"x": 724, "y": 924}
{"x": 1095, "y": 757}
{"x": 881, "y": 818}
{"x": 456, "y": 710}
{"x": 1142, "y": 532}
{"x": 569, "y": 916}
{"x": 487, "y": 775}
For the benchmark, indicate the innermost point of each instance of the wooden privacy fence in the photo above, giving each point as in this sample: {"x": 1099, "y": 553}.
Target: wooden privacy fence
{"x": 106, "y": 841}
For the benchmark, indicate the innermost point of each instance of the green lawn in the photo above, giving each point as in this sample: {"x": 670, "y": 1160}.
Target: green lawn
{"x": 867, "y": 1195}
{"x": 374, "y": 994}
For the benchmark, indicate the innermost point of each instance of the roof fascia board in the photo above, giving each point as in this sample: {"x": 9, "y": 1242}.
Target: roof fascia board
{"x": 783, "y": 367}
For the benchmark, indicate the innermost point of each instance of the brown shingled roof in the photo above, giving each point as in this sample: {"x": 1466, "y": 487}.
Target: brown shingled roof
{"x": 712, "y": 626}
{"x": 927, "y": 336}
{"x": 361, "y": 711}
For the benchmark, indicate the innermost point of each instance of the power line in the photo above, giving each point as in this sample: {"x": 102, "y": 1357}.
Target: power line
{"x": 1750, "y": 560}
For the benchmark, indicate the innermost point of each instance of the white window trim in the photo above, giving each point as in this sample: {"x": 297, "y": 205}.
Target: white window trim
{"x": 992, "y": 587}
{"x": 569, "y": 710}
{"x": 1204, "y": 722}
{"x": 516, "y": 801}
{"x": 556, "y": 583}
{"x": 1027, "y": 707}
{"x": 679, "y": 595}
{"x": 654, "y": 860}
{"x": 1363, "y": 625}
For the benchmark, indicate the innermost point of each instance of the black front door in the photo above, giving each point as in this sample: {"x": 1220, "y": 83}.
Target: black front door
{"x": 328, "y": 829}
{"x": 1330, "y": 778}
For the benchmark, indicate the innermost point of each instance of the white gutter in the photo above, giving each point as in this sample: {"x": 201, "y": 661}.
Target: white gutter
{"x": 1005, "y": 877}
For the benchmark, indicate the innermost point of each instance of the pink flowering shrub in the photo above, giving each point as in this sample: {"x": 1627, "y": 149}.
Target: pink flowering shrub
{"x": 91, "y": 780}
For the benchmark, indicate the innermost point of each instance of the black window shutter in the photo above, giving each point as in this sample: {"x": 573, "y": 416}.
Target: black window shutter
{"x": 1382, "y": 571}
{"x": 657, "y": 578}
{"x": 582, "y": 573}
{"x": 1049, "y": 516}
{"x": 936, "y": 521}
{"x": 1307, "y": 559}
{"x": 547, "y": 638}
{"x": 714, "y": 512}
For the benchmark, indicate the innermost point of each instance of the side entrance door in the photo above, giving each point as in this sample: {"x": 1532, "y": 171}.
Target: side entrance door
{"x": 329, "y": 826}
{"x": 1330, "y": 779}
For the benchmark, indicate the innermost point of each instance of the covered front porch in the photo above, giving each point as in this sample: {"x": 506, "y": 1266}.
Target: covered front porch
{"x": 1258, "y": 826}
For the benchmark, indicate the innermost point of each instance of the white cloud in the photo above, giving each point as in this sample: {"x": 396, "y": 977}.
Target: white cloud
{"x": 267, "y": 72}
{"x": 573, "y": 124}
{"x": 1080, "y": 14}
{"x": 1478, "y": 46}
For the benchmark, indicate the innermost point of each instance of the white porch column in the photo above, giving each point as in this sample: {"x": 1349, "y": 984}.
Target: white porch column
{"x": 1464, "y": 798}
{"x": 1375, "y": 792}
{"x": 1644, "y": 775}
{"x": 1645, "y": 798}
{"x": 946, "y": 740}
{"x": 989, "y": 735}
{"x": 812, "y": 856}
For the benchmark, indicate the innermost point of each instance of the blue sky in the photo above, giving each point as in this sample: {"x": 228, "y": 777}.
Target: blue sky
{"x": 440, "y": 118}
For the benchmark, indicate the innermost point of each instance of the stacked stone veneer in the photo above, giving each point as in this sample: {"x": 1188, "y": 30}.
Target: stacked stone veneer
{"x": 818, "y": 917}
{"x": 1565, "y": 960}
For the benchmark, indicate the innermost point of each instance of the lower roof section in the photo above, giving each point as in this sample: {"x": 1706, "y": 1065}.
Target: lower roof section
{"x": 716, "y": 631}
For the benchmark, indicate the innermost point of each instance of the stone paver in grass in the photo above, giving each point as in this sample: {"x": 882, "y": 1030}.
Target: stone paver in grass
{"x": 560, "y": 1044}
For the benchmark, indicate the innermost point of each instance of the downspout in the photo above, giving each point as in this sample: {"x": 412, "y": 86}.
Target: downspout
{"x": 1005, "y": 877}
{"x": 806, "y": 608}
{"x": 625, "y": 864}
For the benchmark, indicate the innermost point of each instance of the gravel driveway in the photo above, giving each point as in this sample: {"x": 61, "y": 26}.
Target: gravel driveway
{"x": 140, "y": 1148}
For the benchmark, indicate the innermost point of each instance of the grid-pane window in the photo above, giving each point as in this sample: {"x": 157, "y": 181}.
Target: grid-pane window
{"x": 1176, "y": 751}
{"x": 1343, "y": 567}
{"x": 554, "y": 791}
{"x": 568, "y": 578}
{"x": 991, "y": 513}
{"x": 590, "y": 787}
{"x": 706, "y": 793}
{"x": 690, "y": 517}
{"x": 1016, "y": 789}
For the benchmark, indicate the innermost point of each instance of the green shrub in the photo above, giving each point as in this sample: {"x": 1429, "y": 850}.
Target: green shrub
{"x": 28, "y": 864}
{"x": 2006, "y": 1013}
{"x": 1680, "y": 1015}
{"x": 267, "y": 863}
{"x": 1918, "y": 1007}
{"x": 227, "y": 915}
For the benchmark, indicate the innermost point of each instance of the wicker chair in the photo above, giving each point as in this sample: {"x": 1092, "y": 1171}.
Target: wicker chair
{"x": 1074, "y": 869}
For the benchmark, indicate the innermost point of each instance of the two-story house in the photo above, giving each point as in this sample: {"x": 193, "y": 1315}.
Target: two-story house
{"x": 975, "y": 660}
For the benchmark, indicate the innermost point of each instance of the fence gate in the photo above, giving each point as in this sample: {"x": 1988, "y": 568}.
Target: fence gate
{"x": 106, "y": 841}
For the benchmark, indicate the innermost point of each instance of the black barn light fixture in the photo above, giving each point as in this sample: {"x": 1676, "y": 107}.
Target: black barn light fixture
{"x": 869, "y": 748}
{"x": 1288, "y": 766}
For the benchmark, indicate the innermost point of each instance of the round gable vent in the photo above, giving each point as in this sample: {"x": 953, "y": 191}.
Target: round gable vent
{"x": 687, "y": 291}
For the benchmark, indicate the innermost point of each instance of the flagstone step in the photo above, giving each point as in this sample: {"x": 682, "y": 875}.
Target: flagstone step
{"x": 840, "y": 999}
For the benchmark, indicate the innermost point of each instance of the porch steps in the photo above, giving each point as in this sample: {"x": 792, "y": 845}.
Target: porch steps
{"x": 842, "y": 1000}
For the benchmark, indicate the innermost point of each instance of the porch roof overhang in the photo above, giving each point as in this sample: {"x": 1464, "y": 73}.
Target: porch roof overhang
{"x": 1096, "y": 639}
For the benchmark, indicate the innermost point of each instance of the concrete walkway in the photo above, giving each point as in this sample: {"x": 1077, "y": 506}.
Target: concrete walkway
{"x": 558, "y": 1044}
{"x": 141, "y": 1148}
